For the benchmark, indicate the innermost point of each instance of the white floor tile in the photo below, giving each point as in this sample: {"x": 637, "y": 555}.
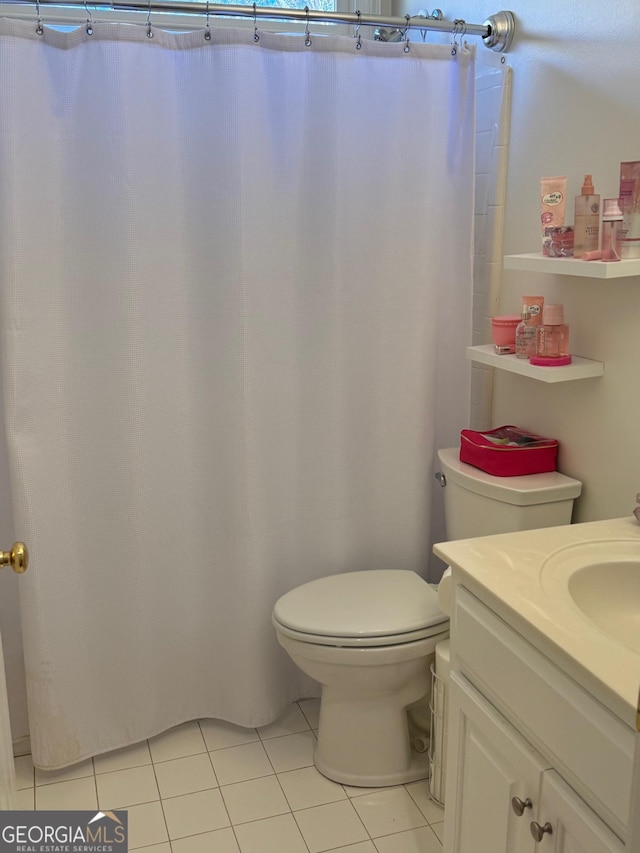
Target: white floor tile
{"x": 156, "y": 848}
{"x": 146, "y": 825}
{"x": 177, "y": 743}
{"x": 254, "y": 800}
{"x": 123, "y": 788}
{"x": 419, "y": 793}
{"x": 220, "y": 794}
{"x": 422, "y": 840}
{"x": 185, "y": 775}
{"x": 25, "y": 799}
{"x": 220, "y": 841}
{"x": 305, "y": 788}
{"x": 334, "y": 825}
{"x": 192, "y": 814}
{"x": 388, "y": 811}
{"x": 291, "y": 752}
{"x": 77, "y": 771}
{"x": 311, "y": 709}
{"x": 438, "y": 828}
{"x": 273, "y": 835}
{"x": 123, "y": 759}
{"x": 75, "y": 794}
{"x": 219, "y": 735}
{"x": 240, "y": 763}
{"x": 24, "y": 772}
{"x": 289, "y": 723}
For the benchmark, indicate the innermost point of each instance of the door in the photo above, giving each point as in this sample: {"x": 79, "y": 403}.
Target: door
{"x": 18, "y": 559}
{"x": 497, "y": 779}
{"x": 566, "y": 824}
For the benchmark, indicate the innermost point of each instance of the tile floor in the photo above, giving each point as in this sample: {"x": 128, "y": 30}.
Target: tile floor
{"x": 210, "y": 787}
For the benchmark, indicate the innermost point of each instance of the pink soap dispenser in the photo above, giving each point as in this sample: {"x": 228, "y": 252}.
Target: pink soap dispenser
{"x": 552, "y": 339}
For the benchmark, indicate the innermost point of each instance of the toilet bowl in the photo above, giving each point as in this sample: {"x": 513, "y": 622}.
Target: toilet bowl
{"x": 368, "y": 638}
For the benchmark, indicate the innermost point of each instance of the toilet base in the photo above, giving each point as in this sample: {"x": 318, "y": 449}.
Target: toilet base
{"x": 418, "y": 769}
{"x": 364, "y": 737}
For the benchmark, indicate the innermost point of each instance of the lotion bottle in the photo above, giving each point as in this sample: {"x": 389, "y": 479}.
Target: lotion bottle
{"x": 586, "y": 226}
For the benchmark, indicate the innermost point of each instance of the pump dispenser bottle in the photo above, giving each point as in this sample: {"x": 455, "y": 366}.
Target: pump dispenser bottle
{"x": 525, "y": 336}
{"x": 552, "y": 341}
{"x": 586, "y": 224}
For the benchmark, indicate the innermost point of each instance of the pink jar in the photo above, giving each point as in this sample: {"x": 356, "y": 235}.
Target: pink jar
{"x": 503, "y": 332}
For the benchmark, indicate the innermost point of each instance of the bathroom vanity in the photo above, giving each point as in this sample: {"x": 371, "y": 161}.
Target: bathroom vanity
{"x": 543, "y": 693}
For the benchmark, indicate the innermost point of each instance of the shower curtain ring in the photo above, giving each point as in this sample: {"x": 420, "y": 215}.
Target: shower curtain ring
{"x": 89, "y": 27}
{"x": 405, "y": 37}
{"x": 149, "y": 31}
{"x": 207, "y": 31}
{"x": 307, "y": 35}
{"x": 39, "y": 28}
{"x": 256, "y": 37}
{"x": 454, "y": 37}
{"x": 356, "y": 32}
{"x": 459, "y": 29}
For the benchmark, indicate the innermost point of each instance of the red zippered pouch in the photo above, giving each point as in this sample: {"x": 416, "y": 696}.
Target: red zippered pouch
{"x": 508, "y": 451}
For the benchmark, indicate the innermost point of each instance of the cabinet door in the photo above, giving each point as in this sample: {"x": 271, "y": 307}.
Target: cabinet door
{"x": 574, "y": 827}
{"x": 491, "y": 766}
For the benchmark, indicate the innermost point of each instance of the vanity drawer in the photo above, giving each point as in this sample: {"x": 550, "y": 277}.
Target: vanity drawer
{"x": 591, "y": 748}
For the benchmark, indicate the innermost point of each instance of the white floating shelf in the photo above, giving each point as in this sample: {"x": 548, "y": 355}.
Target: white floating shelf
{"x": 573, "y": 266}
{"x": 580, "y": 368}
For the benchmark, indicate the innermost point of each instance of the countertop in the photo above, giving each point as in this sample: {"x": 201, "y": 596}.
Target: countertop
{"x": 506, "y": 572}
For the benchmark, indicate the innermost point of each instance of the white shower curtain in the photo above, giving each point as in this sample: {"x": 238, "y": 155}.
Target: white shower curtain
{"x": 235, "y": 285}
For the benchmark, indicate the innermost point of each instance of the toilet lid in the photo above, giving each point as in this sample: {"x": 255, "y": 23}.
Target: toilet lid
{"x": 377, "y": 603}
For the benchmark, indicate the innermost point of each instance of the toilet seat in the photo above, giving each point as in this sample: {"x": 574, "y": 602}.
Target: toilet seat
{"x": 384, "y": 607}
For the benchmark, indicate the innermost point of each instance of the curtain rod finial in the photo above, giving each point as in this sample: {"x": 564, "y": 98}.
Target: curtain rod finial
{"x": 502, "y": 27}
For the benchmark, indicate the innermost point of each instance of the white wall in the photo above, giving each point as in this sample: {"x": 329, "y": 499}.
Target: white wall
{"x": 575, "y": 109}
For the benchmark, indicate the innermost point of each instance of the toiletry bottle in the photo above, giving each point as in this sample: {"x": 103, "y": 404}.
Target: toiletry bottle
{"x": 552, "y": 340}
{"x": 586, "y": 226}
{"x": 525, "y": 336}
{"x": 611, "y": 229}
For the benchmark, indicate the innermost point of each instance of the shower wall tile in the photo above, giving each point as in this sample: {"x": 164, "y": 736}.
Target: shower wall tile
{"x": 493, "y": 99}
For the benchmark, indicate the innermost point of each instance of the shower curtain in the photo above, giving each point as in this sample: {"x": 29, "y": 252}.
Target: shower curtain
{"x": 235, "y": 290}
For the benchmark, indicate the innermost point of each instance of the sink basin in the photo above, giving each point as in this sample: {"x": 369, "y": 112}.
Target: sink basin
{"x": 602, "y": 580}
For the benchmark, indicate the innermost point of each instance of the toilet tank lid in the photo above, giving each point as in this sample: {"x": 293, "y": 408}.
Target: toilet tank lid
{"x": 374, "y": 603}
{"x": 520, "y": 491}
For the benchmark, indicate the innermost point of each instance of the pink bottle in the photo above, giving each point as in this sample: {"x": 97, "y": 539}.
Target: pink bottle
{"x": 552, "y": 338}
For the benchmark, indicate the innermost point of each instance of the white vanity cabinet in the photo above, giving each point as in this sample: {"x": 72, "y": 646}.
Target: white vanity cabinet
{"x": 530, "y": 752}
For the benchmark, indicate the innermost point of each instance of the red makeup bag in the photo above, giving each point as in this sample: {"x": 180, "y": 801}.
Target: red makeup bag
{"x": 508, "y": 451}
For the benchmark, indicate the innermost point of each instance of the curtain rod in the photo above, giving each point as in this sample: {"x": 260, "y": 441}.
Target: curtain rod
{"x": 496, "y": 32}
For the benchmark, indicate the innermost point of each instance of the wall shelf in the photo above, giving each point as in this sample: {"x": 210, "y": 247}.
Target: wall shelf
{"x": 580, "y": 368}
{"x": 573, "y": 266}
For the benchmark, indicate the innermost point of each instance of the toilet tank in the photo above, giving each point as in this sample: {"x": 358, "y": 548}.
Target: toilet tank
{"x": 479, "y": 504}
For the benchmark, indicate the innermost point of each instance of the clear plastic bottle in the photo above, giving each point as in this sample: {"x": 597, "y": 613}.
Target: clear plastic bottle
{"x": 611, "y": 229}
{"x": 586, "y": 224}
{"x": 552, "y": 340}
{"x": 525, "y": 336}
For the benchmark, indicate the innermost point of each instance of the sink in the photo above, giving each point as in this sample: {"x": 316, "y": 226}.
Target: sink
{"x": 602, "y": 580}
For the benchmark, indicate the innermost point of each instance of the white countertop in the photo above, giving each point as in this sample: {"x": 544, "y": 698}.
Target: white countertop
{"x": 505, "y": 571}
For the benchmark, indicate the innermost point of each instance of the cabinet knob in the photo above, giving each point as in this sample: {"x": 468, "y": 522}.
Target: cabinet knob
{"x": 538, "y": 831}
{"x": 519, "y": 805}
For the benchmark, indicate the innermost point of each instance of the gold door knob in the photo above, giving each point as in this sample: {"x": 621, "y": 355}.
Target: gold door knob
{"x": 17, "y": 557}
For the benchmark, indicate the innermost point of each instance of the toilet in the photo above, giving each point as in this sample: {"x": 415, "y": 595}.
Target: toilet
{"x": 369, "y": 637}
